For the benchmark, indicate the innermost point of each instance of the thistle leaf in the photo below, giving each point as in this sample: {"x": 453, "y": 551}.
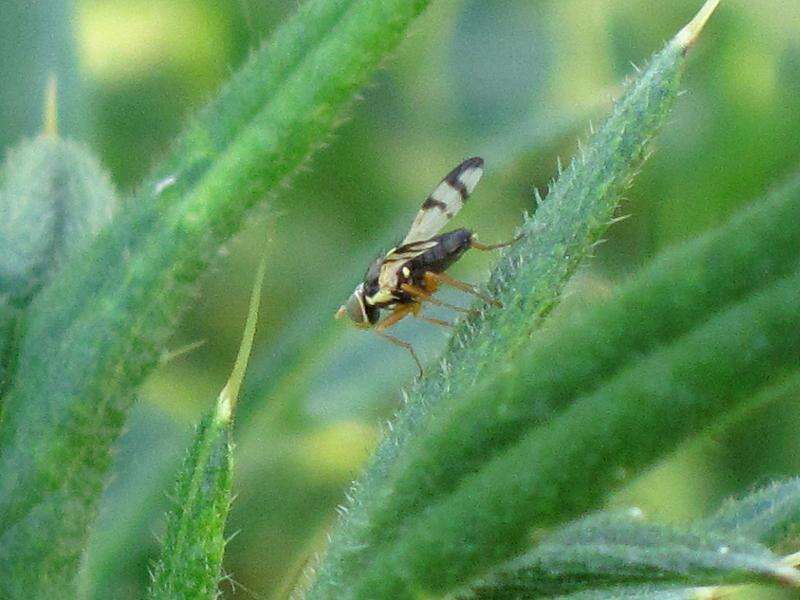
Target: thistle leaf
{"x": 680, "y": 289}
{"x": 615, "y": 550}
{"x": 649, "y": 592}
{"x": 569, "y": 466}
{"x": 95, "y": 331}
{"x": 54, "y": 198}
{"x": 191, "y": 557}
{"x": 528, "y": 281}
{"x": 770, "y": 515}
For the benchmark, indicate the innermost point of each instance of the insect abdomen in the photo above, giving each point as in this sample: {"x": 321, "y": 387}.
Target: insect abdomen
{"x": 448, "y": 249}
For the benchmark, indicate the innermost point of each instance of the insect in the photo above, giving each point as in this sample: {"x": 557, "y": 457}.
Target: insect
{"x": 409, "y": 274}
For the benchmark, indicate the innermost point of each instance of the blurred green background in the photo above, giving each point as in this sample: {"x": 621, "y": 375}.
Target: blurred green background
{"x": 516, "y": 82}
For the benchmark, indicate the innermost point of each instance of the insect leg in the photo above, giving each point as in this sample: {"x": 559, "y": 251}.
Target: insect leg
{"x": 425, "y": 296}
{"x": 440, "y": 322}
{"x": 399, "y": 313}
{"x": 460, "y": 285}
{"x": 478, "y": 246}
{"x": 402, "y": 344}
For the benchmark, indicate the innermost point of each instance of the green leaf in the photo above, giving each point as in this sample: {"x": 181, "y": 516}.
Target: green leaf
{"x": 308, "y": 346}
{"x": 92, "y": 334}
{"x": 569, "y": 466}
{"x": 648, "y": 592}
{"x": 121, "y": 544}
{"x": 54, "y": 198}
{"x": 9, "y": 317}
{"x": 679, "y": 290}
{"x": 191, "y": 557}
{"x": 770, "y": 515}
{"x": 528, "y": 281}
{"x": 614, "y": 550}
{"x": 279, "y": 380}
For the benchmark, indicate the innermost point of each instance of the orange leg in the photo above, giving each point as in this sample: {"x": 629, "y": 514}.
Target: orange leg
{"x": 478, "y": 246}
{"x": 460, "y": 285}
{"x": 439, "y": 322}
{"x": 399, "y": 313}
{"x": 402, "y": 344}
{"x": 423, "y": 295}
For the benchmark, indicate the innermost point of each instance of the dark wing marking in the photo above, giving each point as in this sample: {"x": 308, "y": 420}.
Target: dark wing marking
{"x": 445, "y": 201}
{"x": 396, "y": 258}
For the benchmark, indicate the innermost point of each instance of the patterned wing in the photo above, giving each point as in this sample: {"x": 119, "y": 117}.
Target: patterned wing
{"x": 445, "y": 201}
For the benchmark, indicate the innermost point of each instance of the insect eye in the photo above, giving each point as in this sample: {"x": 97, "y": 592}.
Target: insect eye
{"x": 370, "y": 288}
{"x": 354, "y": 308}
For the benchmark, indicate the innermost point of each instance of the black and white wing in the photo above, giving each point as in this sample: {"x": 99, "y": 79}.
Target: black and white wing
{"x": 445, "y": 201}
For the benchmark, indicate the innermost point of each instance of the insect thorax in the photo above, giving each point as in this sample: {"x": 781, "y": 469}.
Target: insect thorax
{"x": 384, "y": 280}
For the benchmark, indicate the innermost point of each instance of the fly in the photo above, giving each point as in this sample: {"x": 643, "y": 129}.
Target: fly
{"x": 409, "y": 275}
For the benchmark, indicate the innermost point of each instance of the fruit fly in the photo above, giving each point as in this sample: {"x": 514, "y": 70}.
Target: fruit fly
{"x": 409, "y": 274}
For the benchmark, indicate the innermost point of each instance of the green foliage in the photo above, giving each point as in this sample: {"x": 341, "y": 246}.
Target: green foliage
{"x": 8, "y": 319}
{"x": 524, "y": 425}
{"x": 622, "y": 427}
{"x": 769, "y": 515}
{"x": 54, "y": 198}
{"x": 191, "y": 556}
{"x": 677, "y": 292}
{"x": 528, "y": 281}
{"x": 615, "y": 550}
{"x": 643, "y": 592}
{"x": 96, "y": 330}
{"x": 619, "y": 551}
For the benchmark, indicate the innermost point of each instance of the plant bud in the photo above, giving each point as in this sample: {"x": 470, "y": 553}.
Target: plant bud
{"x": 54, "y": 197}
